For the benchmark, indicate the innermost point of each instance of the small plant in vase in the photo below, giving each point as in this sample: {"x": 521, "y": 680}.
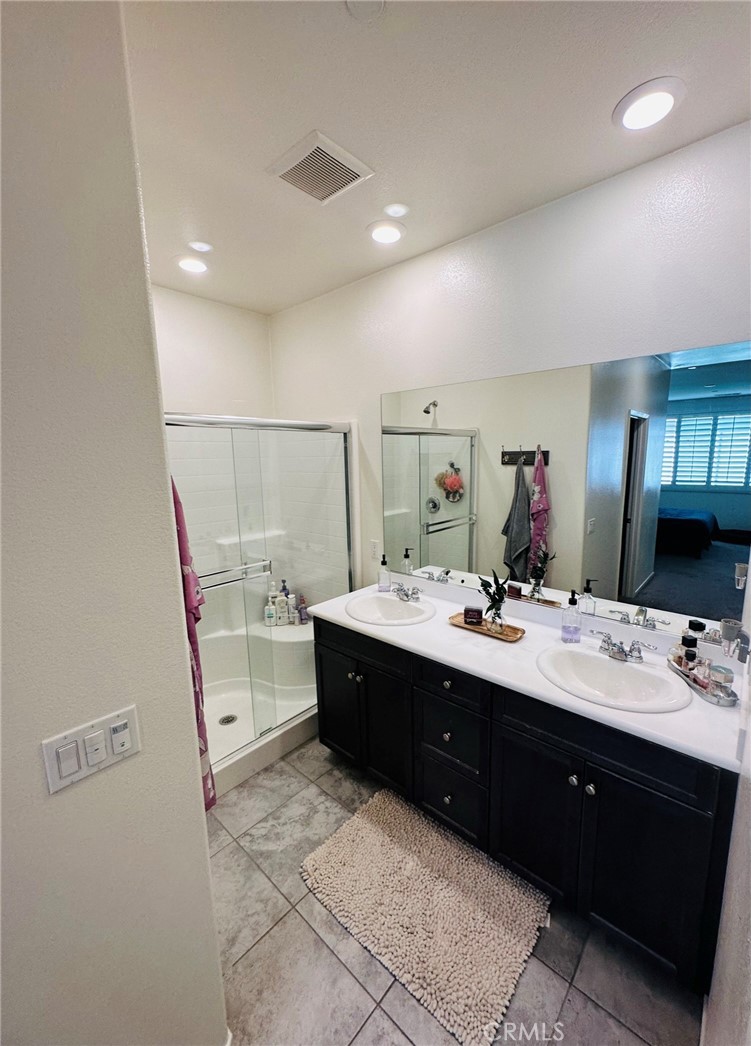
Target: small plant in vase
{"x": 496, "y": 597}
{"x": 539, "y": 569}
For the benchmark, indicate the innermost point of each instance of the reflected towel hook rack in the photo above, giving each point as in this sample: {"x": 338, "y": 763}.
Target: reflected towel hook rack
{"x": 511, "y": 457}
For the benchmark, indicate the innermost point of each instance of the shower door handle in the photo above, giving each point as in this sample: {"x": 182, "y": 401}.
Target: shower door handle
{"x": 449, "y": 524}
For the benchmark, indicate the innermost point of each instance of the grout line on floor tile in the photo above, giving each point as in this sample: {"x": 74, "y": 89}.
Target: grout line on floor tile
{"x": 264, "y": 934}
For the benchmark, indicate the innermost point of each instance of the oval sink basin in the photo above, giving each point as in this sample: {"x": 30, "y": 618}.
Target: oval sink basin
{"x": 618, "y": 684}
{"x": 384, "y": 608}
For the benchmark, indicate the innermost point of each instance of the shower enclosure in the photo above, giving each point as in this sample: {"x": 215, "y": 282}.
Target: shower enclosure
{"x": 418, "y": 513}
{"x": 263, "y": 500}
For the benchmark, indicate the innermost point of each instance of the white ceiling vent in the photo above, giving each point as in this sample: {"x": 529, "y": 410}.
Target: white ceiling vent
{"x": 320, "y": 168}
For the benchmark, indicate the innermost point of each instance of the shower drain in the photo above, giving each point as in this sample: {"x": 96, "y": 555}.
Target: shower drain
{"x": 227, "y": 720}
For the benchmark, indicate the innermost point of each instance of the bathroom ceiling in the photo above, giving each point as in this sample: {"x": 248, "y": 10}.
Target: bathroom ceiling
{"x": 469, "y": 112}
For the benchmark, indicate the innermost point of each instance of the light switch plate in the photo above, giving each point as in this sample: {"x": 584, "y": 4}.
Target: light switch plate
{"x": 78, "y": 733}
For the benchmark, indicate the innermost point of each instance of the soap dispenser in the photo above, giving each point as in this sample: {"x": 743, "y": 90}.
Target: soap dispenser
{"x": 587, "y": 602}
{"x": 384, "y": 577}
{"x": 407, "y": 562}
{"x": 571, "y": 621}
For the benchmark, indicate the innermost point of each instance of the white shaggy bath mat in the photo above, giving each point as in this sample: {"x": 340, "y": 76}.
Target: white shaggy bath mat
{"x": 453, "y": 926}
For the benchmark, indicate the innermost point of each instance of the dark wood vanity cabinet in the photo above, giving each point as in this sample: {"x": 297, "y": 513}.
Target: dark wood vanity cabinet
{"x": 629, "y": 834}
{"x": 365, "y": 707}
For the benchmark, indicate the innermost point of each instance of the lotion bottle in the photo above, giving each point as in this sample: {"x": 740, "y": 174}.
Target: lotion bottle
{"x": 571, "y": 621}
{"x": 384, "y": 577}
{"x": 282, "y": 615}
{"x": 269, "y": 612}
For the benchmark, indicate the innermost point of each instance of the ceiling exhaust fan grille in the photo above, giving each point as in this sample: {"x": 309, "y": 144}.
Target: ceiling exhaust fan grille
{"x": 320, "y": 168}
{"x": 320, "y": 175}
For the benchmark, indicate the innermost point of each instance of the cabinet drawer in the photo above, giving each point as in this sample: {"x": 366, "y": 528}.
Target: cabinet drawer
{"x": 453, "y": 799}
{"x": 458, "y": 686}
{"x": 391, "y": 658}
{"x": 454, "y": 734}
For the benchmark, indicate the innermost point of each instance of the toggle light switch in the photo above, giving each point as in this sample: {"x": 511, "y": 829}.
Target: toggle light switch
{"x": 68, "y": 759}
{"x": 96, "y": 748}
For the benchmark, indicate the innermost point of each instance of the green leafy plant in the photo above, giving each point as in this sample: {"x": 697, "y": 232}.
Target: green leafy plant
{"x": 495, "y": 595}
{"x": 542, "y": 561}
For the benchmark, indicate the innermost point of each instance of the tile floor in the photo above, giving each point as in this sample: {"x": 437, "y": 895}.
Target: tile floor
{"x": 295, "y": 977}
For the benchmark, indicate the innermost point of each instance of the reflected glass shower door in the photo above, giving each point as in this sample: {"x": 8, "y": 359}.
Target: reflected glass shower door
{"x": 446, "y": 526}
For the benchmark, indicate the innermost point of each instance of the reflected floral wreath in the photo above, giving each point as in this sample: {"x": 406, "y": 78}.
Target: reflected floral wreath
{"x": 451, "y": 483}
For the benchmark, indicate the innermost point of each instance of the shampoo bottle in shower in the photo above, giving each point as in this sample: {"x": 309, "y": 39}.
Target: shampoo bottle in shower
{"x": 571, "y": 621}
{"x": 303, "y": 610}
{"x": 292, "y": 613}
{"x": 384, "y": 577}
{"x": 282, "y": 616}
{"x": 269, "y": 612}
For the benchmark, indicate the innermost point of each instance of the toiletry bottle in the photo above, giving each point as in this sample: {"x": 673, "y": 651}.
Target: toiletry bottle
{"x": 292, "y": 613}
{"x": 695, "y": 628}
{"x": 302, "y": 610}
{"x": 407, "y": 562}
{"x": 571, "y": 621}
{"x": 284, "y": 588}
{"x": 282, "y": 617}
{"x": 269, "y": 612}
{"x": 384, "y": 577}
{"x": 587, "y": 602}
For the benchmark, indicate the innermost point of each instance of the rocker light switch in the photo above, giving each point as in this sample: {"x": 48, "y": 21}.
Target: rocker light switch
{"x": 68, "y": 760}
{"x": 96, "y": 748}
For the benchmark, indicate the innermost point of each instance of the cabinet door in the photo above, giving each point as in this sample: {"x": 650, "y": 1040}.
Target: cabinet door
{"x": 644, "y": 865}
{"x": 387, "y": 711}
{"x": 339, "y": 716}
{"x": 535, "y": 811}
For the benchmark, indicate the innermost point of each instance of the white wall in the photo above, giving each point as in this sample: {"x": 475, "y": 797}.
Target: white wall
{"x": 618, "y": 388}
{"x": 653, "y": 260}
{"x": 213, "y": 358}
{"x": 108, "y": 933}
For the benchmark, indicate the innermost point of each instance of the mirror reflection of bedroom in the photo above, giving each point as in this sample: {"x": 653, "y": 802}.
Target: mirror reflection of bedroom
{"x": 704, "y": 521}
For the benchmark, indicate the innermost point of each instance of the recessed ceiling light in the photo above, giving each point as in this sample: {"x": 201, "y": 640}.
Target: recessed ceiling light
{"x": 201, "y": 245}
{"x": 396, "y": 210}
{"x": 386, "y": 232}
{"x": 192, "y": 265}
{"x": 692, "y": 368}
{"x": 649, "y": 103}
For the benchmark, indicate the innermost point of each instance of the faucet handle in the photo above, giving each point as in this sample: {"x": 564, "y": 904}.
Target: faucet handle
{"x": 622, "y": 615}
{"x": 607, "y": 640}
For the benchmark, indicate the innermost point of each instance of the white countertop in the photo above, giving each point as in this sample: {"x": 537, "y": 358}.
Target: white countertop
{"x": 702, "y": 730}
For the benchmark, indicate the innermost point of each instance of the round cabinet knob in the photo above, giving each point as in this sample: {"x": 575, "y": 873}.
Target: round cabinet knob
{"x": 350, "y": 675}
{"x": 359, "y": 679}
{"x": 447, "y": 684}
{"x": 590, "y": 790}
{"x": 447, "y": 737}
{"x": 447, "y": 800}
{"x": 573, "y": 780}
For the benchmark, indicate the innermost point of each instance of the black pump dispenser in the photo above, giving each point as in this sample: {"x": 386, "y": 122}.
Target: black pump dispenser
{"x": 573, "y": 599}
{"x": 588, "y": 586}
{"x": 383, "y": 560}
{"x": 587, "y": 603}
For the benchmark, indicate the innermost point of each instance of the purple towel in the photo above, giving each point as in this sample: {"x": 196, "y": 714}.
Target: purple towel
{"x": 193, "y": 597}
{"x": 539, "y": 508}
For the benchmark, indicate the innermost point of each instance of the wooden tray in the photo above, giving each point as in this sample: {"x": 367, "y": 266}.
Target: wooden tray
{"x": 510, "y": 633}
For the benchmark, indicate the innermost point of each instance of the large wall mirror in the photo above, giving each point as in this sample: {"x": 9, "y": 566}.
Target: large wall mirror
{"x": 648, "y": 475}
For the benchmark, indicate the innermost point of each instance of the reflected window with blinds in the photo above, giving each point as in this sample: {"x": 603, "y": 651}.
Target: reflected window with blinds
{"x": 707, "y": 451}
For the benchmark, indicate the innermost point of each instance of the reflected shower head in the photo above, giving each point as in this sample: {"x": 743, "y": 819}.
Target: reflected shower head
{"x": 426, "y": 410}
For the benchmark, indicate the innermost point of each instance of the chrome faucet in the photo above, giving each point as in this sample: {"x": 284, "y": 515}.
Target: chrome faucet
{"x": 618, "y": 651}
{"x": 442, "y": 578}
{"x": 640, "y": 616}
{"x": 407, "y": 595}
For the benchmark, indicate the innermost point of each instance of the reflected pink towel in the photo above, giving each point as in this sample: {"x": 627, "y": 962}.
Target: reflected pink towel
{"x": 539, "y": 508}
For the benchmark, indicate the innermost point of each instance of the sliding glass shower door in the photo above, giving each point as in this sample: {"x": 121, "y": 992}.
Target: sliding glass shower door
{"x": 257, "y": 501}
